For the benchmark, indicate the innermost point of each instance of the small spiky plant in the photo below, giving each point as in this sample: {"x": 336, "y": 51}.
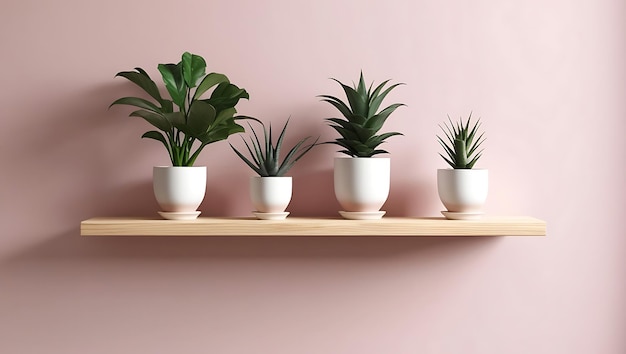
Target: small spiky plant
{"x": 265, "y": 159}
{"x": 461, "y": 145}
{"x": 361, "y": 121}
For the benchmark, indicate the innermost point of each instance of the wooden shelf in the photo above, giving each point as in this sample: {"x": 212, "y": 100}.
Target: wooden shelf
{"x": 294, "y": 226}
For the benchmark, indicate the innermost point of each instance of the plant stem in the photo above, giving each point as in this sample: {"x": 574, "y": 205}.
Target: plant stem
{"x": 194, "y": 156}
{"x": 170, "y": 146}
{"x": 186, "y": 148}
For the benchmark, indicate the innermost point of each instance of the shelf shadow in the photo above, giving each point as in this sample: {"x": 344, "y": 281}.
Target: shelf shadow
{"x": 69, "y": 246}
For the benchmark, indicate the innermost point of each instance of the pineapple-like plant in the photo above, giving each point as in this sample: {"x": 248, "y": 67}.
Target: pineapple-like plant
{"x": 361, "y": 119}
{"x": 265, "y": 157}
{"x": 461, "y": 145}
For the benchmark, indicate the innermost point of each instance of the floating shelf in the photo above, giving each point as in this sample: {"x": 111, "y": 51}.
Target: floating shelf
{"x": 295, "y": 226}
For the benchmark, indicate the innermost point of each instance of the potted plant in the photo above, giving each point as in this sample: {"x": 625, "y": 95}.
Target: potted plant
{"x": 361, "y": 181}
{"x": 270, "y": 191}
{"x": 462, "y": 189}
{"x": 186, "y": 123}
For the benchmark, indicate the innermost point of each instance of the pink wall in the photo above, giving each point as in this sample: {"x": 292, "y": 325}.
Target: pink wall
{"x": 548, "y": 77}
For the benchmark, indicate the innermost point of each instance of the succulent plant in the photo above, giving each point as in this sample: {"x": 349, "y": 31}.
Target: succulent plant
{"x": 193, "y": 119}
{"x": 461, "y": 145}
{"x": 265, "y": 157}
{"x": 361, "y": 119}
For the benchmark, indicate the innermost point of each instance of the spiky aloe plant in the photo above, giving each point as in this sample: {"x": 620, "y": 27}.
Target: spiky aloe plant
{"x": 361, "y": 118}
{"x": 461, "y": 145}
{"x": 265, "y": 159}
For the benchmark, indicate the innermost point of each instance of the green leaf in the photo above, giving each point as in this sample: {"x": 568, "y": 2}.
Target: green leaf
{"x": 221, "y": 132}
{"x": 175, "y": 118}
{"x": 357, "y": 147}
{"x": 357, "y": 120}
{"x": 143, "y": 80}
{"x": 194, "y": 67}
{"x": 167, "y": 106}
{"x": 345, "y": 133}
{"x": 339, "y": 104}
{"x": 184, "y": 128}
{"x": 234, "y": 128}
{"x": 209, "y": 81}
{"x": 472, "y": 133}
{"x": 224, "y": 116}
{"x": 155, "y": 119}
{"x": 460, "y": 153}
{"x": 374, "y": 94}
{"x": 226, "y": 131}
{"x": 343, "y": 123}
{"x": 240, "y": 117}
{"x": 451, "y": 132}
{"x": 363, "y": 133}
{"x": 200, "y": 117}
{"x": 458, "y": 129}
{"x": 256, "y": 161}
{"x": 256, "y": 144}
{"x": 376, "y": 152}
{"x": 174, "y": 83}
{"x": 378, "y": 100}
{"x": 376, "y": 140}
{"x": 471, "y": 164}
{"x": 467, "y": 124}
{"x": 448, "y": 161}
{"x": 137, "y": 102}
{"x": 450, "y": 142}
{"x": 447, "y": 149}
{"x": 287, "y": 163}
{"x": 292, "y": 158}
{"x": 248, "y": 162}
{"x": 357, "y": 102}
{"x": 270, "y": 159}
{"x": 153, "y": 134}
{"x": 226, "y": 95}
{"x": 477, "y": 144}
{"x": 281, "y": 137}
{"x": 361, "y": 89}
{"x": 348, "y": 149}
{"x": 376, "y": 122}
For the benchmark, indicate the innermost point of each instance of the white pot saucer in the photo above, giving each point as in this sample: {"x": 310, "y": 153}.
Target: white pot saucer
{"x": 451, "y": 215}
{"x": 179, "y": 215}
{"x": 362, "y": 215}
{"x": 271, "y": 216}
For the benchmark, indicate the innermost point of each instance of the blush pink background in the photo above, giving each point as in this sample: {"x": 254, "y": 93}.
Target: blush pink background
{"x": 548, "y": 77}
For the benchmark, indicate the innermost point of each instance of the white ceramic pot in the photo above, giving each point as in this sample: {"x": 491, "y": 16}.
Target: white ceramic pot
{"x": 270, "y": 194}
{"x": 463, "y": 190}
{"x": 179, "y": 189}
{"x": 362, "y": 183}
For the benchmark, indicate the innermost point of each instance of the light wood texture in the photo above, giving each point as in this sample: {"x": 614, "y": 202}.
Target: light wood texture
{"x": 294, "y": 226}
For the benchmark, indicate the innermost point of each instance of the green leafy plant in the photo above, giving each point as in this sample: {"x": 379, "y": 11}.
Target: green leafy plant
{"x": 461, "y": 145}
{"x": 194, "y": 119}
{"x": 361, "y": 119}
{"x": 265, "y": 157}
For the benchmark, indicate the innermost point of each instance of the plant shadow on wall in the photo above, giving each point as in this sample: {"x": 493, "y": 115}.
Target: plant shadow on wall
{"x": 116, "y": 184}
{"x": 85, "y": 158}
